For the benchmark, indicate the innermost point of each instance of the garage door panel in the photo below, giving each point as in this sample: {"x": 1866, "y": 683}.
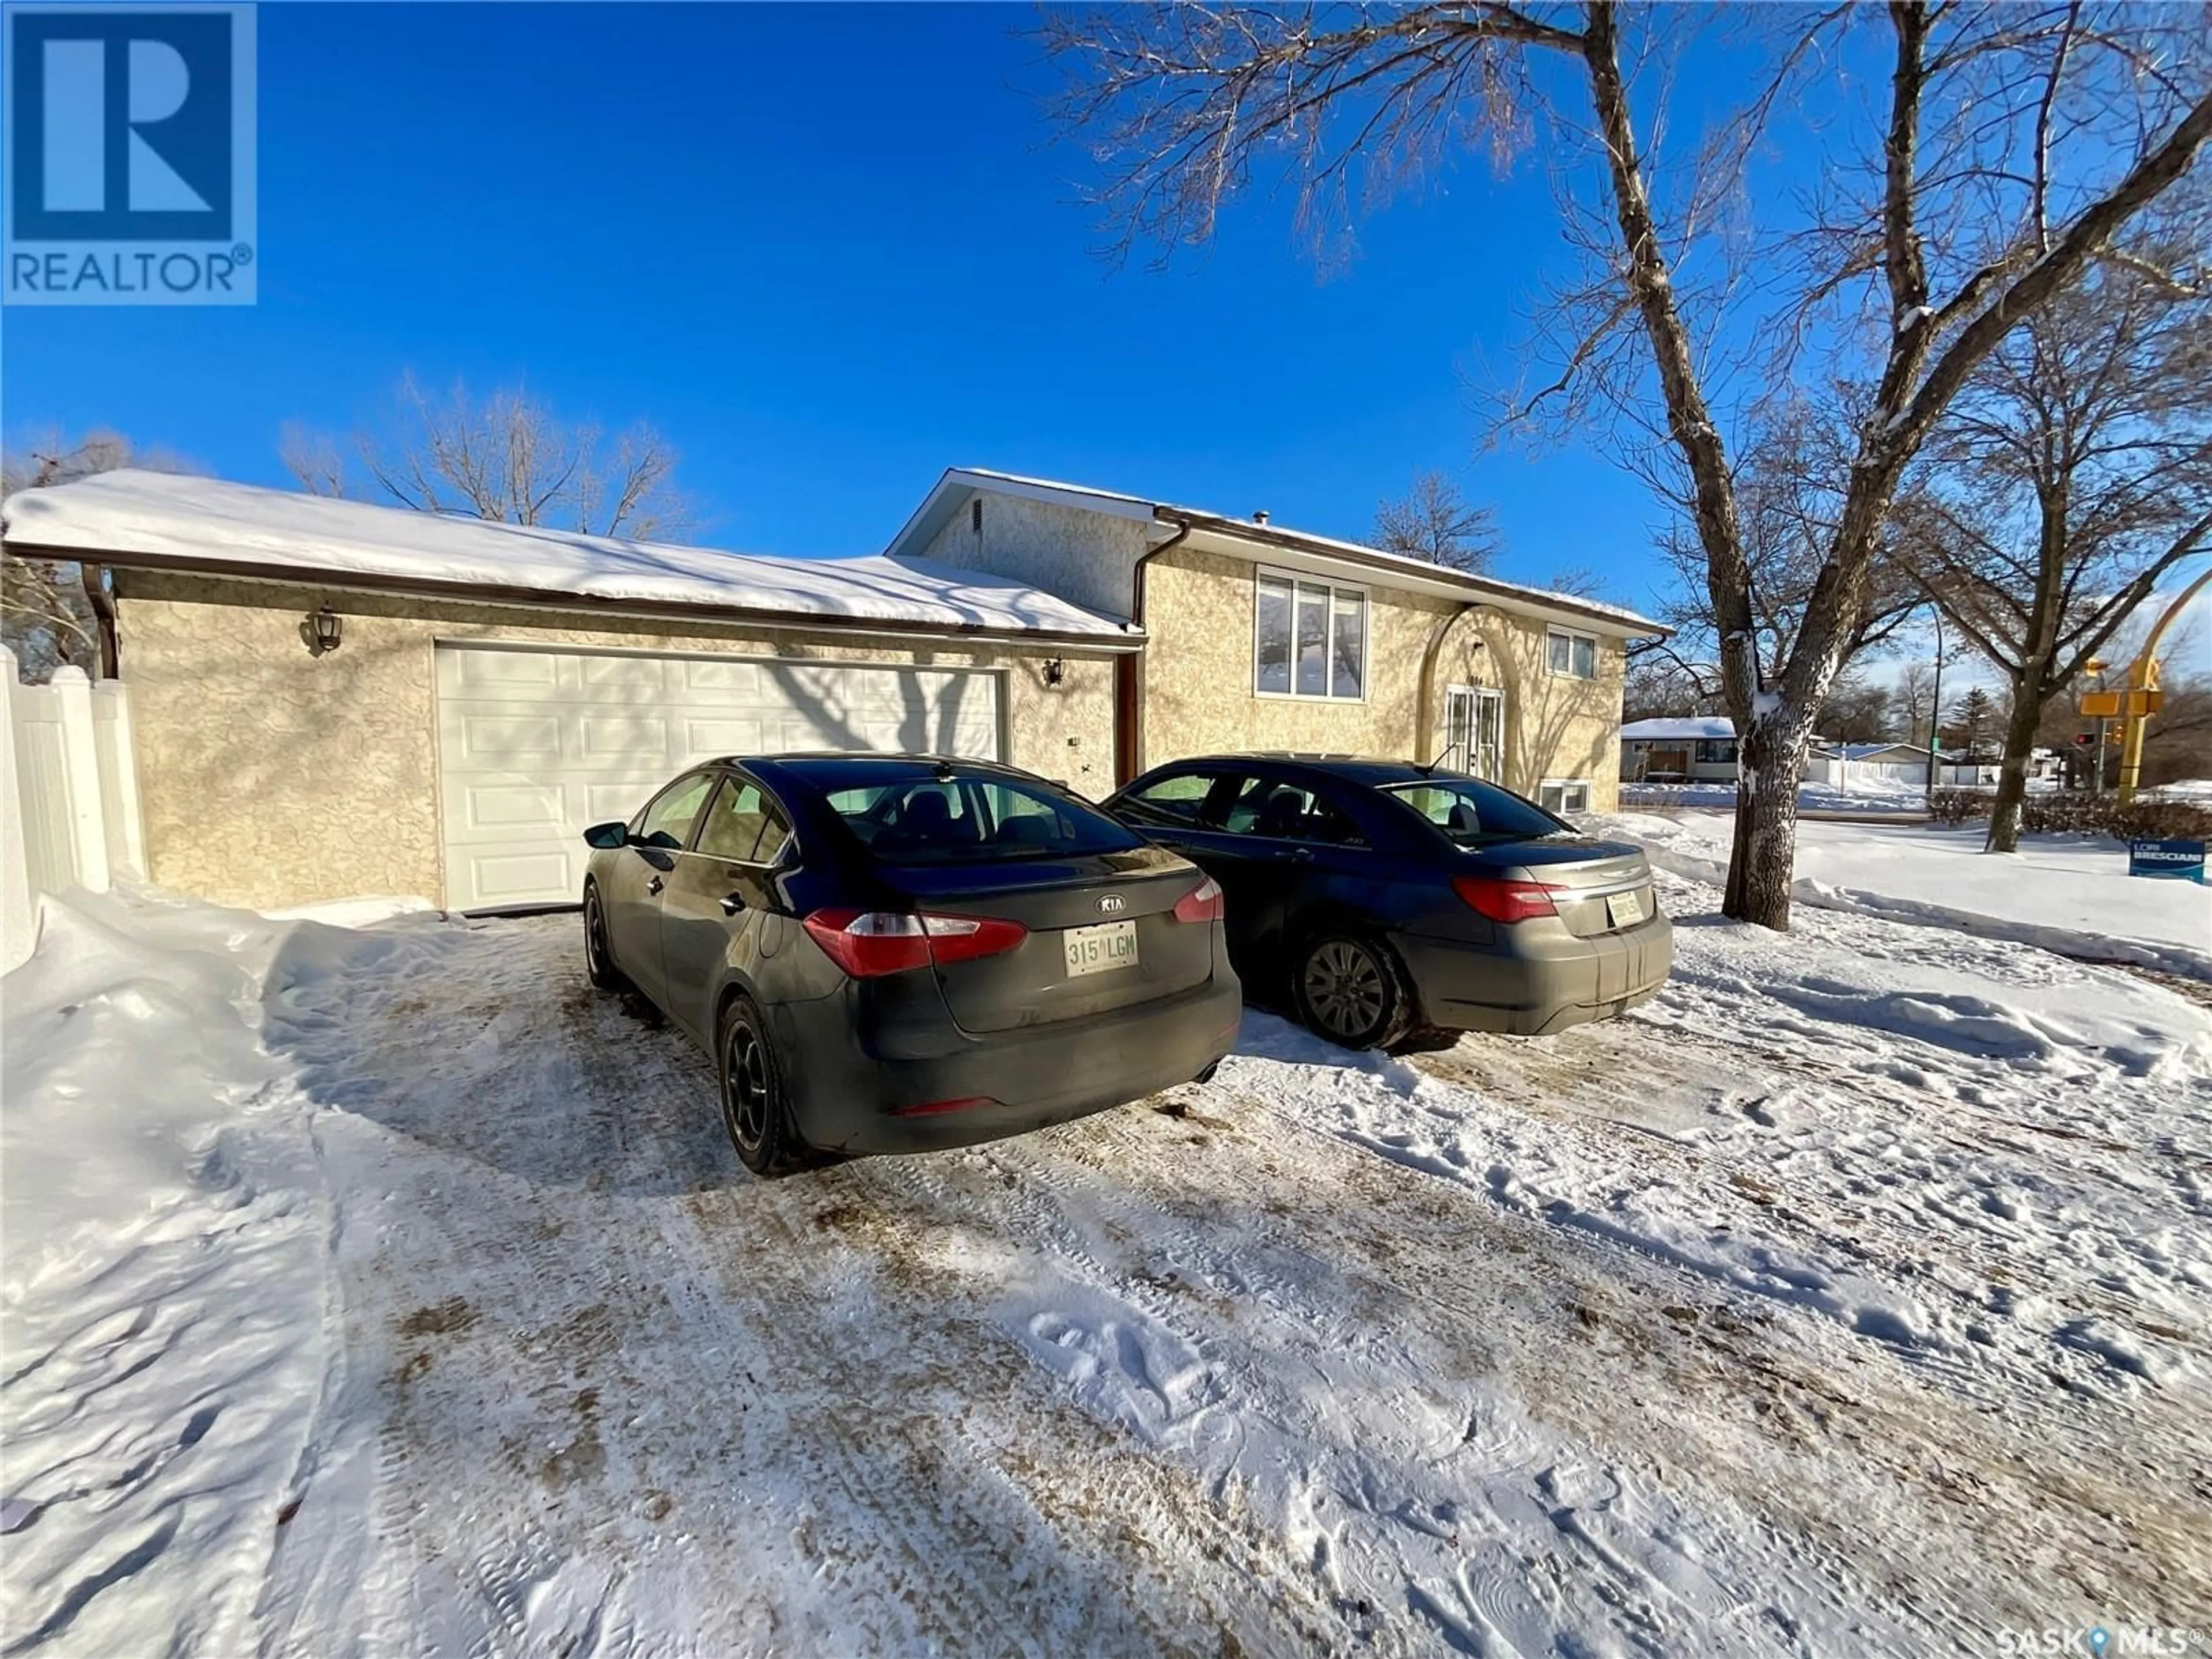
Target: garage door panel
{"x": 535, "y": 745}
{"x": 604, "y": 736}
{"x": 722, "y": 681}
{"x": 497, "y": 673}
{"x": 509, "y": 738}
{"x": 610, "y": 679}
{"x": 722, "y": 737}
{"x": 504, "y": 806}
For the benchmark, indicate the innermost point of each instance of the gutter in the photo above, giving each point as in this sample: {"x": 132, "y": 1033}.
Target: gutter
{"x": 534, "y": 599}
{"x": 1128, "y": 688}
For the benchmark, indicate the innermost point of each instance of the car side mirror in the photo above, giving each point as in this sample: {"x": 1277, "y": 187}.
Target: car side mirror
{"x": 607, "y": 836}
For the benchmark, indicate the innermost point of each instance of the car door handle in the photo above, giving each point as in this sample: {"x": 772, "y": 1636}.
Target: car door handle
{"x": 655, "y": 885}
{"x": 732, "y": 902}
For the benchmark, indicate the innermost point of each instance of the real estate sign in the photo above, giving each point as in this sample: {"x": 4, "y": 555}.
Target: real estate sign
{"x": 2182, "y": 860}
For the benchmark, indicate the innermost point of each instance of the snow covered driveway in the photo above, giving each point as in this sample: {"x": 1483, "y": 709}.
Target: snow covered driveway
{"x": 384, "y": 1292}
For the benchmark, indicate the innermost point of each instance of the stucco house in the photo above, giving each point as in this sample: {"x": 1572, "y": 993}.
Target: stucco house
{"x": 331, "y": 697}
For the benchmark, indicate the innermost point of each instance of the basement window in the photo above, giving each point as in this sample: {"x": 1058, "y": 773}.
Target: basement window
{"x": 1564, "y": 795}
{"x": 1309, "y": 638}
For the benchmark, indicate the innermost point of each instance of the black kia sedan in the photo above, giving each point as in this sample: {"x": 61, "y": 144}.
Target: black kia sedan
{"x": 891, "y": 954}
{"x": 1384, "y": 900}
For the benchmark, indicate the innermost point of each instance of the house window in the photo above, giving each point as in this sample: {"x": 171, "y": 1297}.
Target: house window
{"x": 1716, "y": 752}
{"x": 1309, "y": 638}
{"x": 1572, "y": 654}
{"x": 1564, "y": 795}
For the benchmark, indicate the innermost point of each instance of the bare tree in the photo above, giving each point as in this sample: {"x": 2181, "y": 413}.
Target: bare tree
{"x": 1855, "y": 710}
{"x": 1434, "y": 522}
{"x": 2012, "y": 144}
{"x": 1790, "y": 480}
{"x": 1916, "y": 700}
{"x": 509, "y": 458}
{"x": 47, "y": 613}
{"x": 2069, "y": 478}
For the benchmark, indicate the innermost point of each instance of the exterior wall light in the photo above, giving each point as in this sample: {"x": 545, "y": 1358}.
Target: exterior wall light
{"x": 323, "y": 631}
{"x": 1055, "y": 670}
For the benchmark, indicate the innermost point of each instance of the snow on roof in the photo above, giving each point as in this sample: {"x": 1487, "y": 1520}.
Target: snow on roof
{"x": 157, "y": 518}
{"x": 1678, "y": 727}
{"x": 928, "y": 518}
{"x": 1866, "y": 750}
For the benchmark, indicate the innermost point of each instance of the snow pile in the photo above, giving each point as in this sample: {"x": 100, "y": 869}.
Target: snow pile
{"x": 2068, "y": 894}
{"x": 244, "y": 527}
{"x": 161, "y": 1305}
{"x": 1856, "y": 794}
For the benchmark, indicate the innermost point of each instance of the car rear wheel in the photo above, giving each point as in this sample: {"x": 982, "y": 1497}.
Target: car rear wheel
{"x": 754, "y": 1109}
{"x": 1351, "y": 990}
{"x": 598, "y": 960}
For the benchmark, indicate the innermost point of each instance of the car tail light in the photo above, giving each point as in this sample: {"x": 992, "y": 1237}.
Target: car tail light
{"x": 963, "y": 939}
{"x": 1201, "y": 903}
{"x": 1507, "y": 900}
{"x": 868, "y": 943}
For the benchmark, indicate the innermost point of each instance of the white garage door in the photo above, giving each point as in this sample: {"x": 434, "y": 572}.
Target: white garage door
{"x": 533, "y": 745}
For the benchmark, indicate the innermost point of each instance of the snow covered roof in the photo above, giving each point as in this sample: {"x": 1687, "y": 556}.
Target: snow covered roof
{"x": 160, "y": 520}
{"x": 1679, "y": 728}
{"x": 957, "y": 483}
{"x": 1868, "y": 750}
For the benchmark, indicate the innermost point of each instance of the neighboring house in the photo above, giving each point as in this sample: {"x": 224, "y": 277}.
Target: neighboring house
{"x": 1259, "y": 637}
{"x": 1685, "y": 748}
{"x": 491, "y": 688}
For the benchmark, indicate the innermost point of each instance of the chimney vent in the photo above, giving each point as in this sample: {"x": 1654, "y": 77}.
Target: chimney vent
{"x": 1260, "y": 517}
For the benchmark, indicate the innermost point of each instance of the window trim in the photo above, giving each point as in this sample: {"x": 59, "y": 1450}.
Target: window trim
{"x": 731, "y": 779}
{"x": 1330, "y": 586}
{"x": 1563, "y": 785}
{"x": 1553, "y": 631}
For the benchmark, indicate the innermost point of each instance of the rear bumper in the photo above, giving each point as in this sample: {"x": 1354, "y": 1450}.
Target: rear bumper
{"x": 844, "y": 1100}
{"x": 1534, "y": 986}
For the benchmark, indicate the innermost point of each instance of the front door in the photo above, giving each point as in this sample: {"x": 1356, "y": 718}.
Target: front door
{"x": 1474, "y": 730}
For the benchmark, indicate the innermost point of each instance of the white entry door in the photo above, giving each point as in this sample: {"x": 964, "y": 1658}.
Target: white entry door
{"x": 533, "y": 745}
{"x": 1474, "y": 730}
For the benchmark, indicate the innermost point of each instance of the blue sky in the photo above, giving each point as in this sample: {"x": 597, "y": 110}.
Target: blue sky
{"x": 828, "y": 253}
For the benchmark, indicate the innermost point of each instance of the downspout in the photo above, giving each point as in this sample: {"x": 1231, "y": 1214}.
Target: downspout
{"x": 1424, "y": 714}
{"x": 1129, "y": 686}
{"x": 103, "y": 609}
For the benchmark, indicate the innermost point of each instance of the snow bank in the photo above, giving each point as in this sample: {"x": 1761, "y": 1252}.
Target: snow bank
{"x": 1869, "y": 794}
{"x": 2065, "y": 893}
{"x": 161, "y": 1301}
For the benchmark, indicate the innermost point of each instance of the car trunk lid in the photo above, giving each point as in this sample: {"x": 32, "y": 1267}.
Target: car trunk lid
{"x": 1605, "y": 886}
{"x": 1130, "y": 894}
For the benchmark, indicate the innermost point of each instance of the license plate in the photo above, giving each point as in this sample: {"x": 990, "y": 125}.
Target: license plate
{"x": 1624, "y": 909}
{"x": 1095, "y": 950}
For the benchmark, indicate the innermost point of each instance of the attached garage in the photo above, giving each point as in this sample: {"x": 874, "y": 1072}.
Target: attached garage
{"x": 332, "y": 699}
{"x": 534, "y": 744}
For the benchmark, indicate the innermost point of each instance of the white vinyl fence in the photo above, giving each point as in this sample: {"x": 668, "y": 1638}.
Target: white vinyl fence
{"x": 68, "y": 796}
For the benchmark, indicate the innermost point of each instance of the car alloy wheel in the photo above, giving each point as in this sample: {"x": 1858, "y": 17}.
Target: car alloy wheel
{"x": 598, "y": 960}
{"x": 748, "y": 1086}
{"x": 754, "y": 1110}
{"x": 1345, "y": 989}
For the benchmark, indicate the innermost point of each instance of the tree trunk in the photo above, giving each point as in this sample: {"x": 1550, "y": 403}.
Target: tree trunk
{"x": 2012, "y": 782}
{"x": 1765, "y": 856}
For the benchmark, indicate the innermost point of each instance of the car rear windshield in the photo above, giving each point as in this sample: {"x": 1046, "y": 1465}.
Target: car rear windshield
{"x": 971, "y": 820}
{"x": 1474, "y": 813}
